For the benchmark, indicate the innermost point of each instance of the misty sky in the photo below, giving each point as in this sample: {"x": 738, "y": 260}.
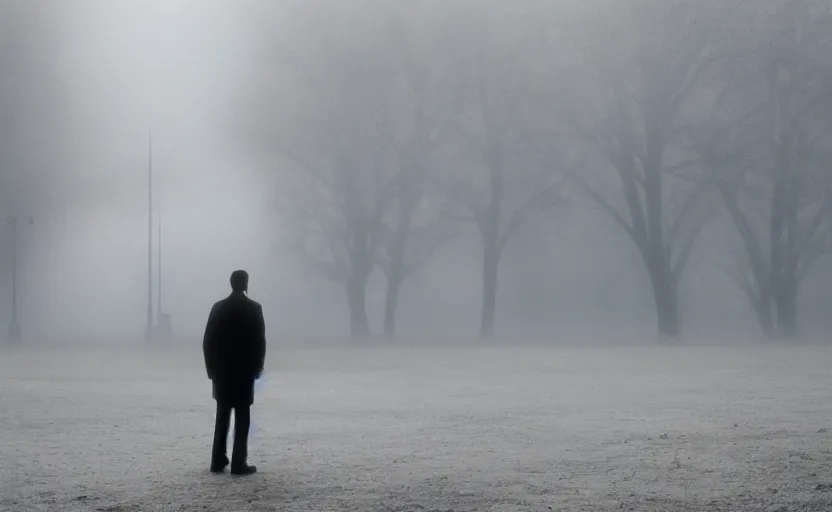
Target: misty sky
{"x": 131, "y": 65}
{"x": 180, "y": 67}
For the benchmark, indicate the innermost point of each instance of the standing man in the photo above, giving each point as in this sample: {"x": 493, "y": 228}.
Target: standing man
{"x": 234, "y": 347}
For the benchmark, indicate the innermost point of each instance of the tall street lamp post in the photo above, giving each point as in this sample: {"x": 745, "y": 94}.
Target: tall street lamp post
{"x": 14, "y": 323}
{"x": 148, "y": 334}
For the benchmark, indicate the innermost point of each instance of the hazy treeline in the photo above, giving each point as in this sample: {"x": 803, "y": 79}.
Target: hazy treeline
{"x": 522, "y": 165}
{"x": 391, "y": 125}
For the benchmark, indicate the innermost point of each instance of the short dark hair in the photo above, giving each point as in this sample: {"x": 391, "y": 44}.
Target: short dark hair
{"x": 239, "y": 280}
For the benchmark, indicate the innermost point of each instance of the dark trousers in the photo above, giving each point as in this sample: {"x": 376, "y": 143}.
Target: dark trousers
{"x": 242, "y": 422}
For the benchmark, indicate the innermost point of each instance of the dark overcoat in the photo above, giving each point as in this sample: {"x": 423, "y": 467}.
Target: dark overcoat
{"x": 234, "y": 347}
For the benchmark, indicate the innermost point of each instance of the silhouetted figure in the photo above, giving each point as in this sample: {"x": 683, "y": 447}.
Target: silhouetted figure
{"x": 235, "y": 351}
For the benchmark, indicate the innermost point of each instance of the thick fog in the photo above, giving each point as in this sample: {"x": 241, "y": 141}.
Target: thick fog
{"x": 480, "y": 161}
{"x": 123, "y": 70}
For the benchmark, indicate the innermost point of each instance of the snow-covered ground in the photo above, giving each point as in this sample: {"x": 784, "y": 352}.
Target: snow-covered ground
{"x": 642, "y": 429}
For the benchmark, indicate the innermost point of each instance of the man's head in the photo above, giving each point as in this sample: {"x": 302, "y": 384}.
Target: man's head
{"x": 239, "y": 281}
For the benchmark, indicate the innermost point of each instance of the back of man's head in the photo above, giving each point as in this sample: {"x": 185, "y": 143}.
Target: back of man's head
{"x": 239, "y": 281}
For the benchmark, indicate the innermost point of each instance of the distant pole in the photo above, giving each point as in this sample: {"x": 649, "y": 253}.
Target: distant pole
{"x": 159, "y": 283}
{"x": 14, "y": 324}
{"x": 149, "y": 328}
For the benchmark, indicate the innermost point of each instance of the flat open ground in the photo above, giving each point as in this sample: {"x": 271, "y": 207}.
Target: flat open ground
{"x": 662, "y": 429}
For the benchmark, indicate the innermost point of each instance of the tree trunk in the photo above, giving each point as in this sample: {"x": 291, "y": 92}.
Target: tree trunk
{"x": 390, "y": 304}
{"x": 762, "y": 309}
{"x": 398, "y": 252}
{"x": 786, "y": 304}
{"x": 665, "y": 298}
{"x": 667, "y": 311}
{"x": 357, "y": 301}
{"x": 665, "y": 289}
{"x": 491, "y": 260}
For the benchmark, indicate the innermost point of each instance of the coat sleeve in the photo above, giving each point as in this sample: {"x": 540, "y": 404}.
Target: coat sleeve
{"x": 259, "y": 342}
{"x": 209, "y": 348}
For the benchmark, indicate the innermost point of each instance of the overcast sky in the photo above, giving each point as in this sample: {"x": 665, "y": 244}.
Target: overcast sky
{"x": 132, "y": 66}
{"x": 181, "y": 69}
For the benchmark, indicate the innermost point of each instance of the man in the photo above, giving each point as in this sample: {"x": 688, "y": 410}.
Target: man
{"x": 234, "y": 347}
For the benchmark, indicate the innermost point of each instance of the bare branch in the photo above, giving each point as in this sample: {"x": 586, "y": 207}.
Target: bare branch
{"x": 688, "y": 208}
{"x": 538, "y": 199}
{"x": 687, "y": 243}
{"x": 606, "y": 206}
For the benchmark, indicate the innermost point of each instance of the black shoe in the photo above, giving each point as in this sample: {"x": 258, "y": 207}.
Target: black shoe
{"x": 245, "y": 469}
{"x": 218, "y": 465}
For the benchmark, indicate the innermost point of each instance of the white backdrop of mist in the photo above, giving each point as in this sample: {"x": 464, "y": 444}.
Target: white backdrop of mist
{"x": 184, "y": 68}
{"x": 126, "y": 67}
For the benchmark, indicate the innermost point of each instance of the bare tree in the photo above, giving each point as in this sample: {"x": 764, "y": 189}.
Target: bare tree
{"x": 495, "y": 177}
{"x": 417, "y": 223}
{"x": 323, "y": 120}
{"x": 626, "y": 99}
{"x": 419, "y": 226}
{"x": 359, "y": 117}
{"x": 771, "y": 158}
